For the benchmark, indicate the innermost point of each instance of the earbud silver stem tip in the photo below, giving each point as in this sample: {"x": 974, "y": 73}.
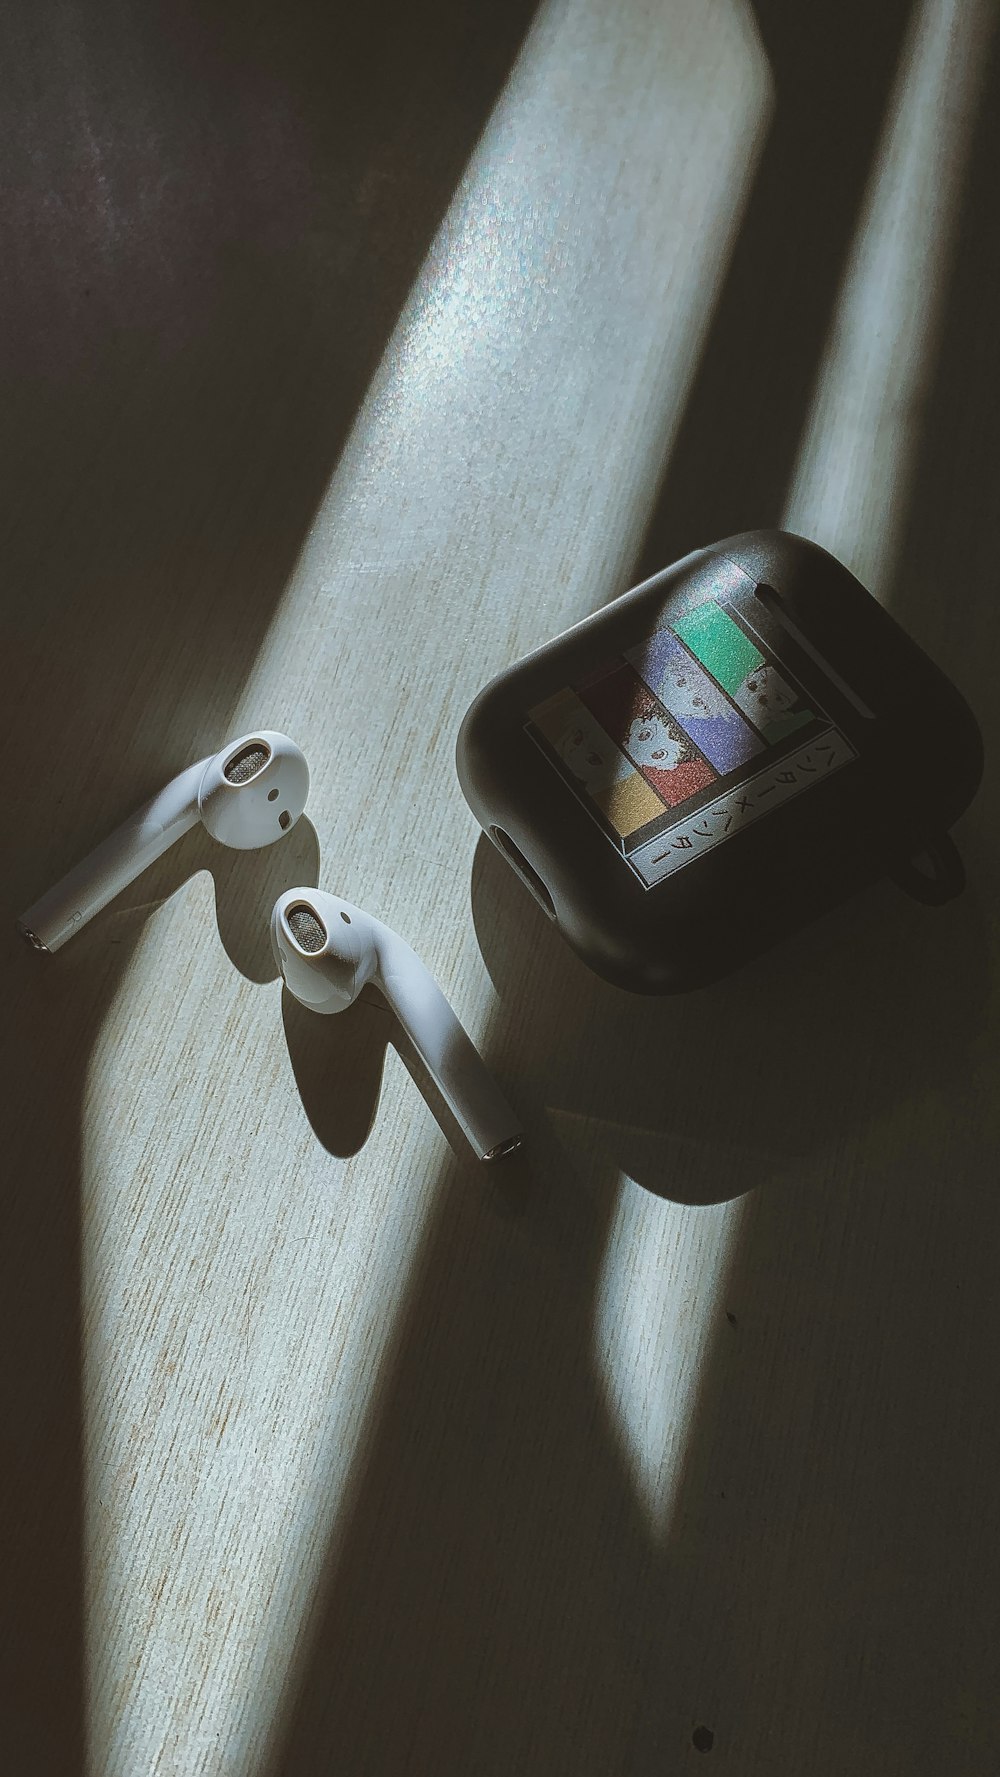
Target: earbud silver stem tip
{"x": 33, "y": 939}
{"x": 512, "y": 1145}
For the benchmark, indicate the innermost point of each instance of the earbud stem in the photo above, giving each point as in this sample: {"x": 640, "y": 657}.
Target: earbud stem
{"x": 95, "y": 881}
{"x": 446, "y": 1050}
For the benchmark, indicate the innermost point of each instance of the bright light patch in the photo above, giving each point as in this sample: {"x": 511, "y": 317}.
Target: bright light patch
{"x": 855, "y": 468}
{"x": 658, "y": 1311}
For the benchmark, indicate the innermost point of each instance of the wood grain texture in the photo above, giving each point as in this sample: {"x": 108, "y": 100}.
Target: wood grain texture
{"x": 351, "y": 355}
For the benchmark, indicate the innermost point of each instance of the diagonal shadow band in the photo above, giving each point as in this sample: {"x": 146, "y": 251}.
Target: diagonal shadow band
{"x": 735, "y": 451}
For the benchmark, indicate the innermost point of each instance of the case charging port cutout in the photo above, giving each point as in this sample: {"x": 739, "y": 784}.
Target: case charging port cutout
{"x": 529, "y": 877}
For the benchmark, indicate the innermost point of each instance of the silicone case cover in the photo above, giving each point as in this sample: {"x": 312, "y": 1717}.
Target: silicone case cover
{"x": 718, "y": 757}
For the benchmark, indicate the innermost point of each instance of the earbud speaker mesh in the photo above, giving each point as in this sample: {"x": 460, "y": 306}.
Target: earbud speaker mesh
{"x": 247, "y": 762}
{"x": 306, "y": 928}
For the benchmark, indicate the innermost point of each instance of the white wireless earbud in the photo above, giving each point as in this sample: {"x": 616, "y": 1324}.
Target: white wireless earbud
{"x": 328, "y": 951}
{"x": 248, "y": 795}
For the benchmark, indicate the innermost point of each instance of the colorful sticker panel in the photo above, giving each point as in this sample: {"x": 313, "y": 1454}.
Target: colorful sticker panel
{"x": 741, "y": 669}
{"x": 734, "y": 809}
{"x": 769, "y": 701}
{"x": 723, "y": 648}
{"x": 695, "y": 701}
{"x": 641, "y": 727}
{"x": 610, "y": 780}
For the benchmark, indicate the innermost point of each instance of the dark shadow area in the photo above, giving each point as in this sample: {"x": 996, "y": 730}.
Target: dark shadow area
{"x": 824, "y": 1597}
{"x": 247, "y": 884}
{"x": 337, "y": 1061}
{"x": 211, "y": 218}
{"x": 622, "y": 1079}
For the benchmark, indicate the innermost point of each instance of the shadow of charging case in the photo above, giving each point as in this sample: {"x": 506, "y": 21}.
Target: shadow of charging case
{"x": 718, "y": 757}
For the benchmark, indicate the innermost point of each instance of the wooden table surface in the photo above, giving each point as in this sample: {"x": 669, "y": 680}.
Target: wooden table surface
{"x": 351, "y": 352}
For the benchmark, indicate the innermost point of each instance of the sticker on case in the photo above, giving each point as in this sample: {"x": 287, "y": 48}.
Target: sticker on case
{"x": 690, "y": 735}
{"x": 608, "y": 777}
{"x": 717, "y": 640}
{"x": 734, "y": 659}
{"x": 695, "y": 701}
{"x": 769, "y": 701}
{"x": 643, "y": 730}
{"x": 729, "y": 813}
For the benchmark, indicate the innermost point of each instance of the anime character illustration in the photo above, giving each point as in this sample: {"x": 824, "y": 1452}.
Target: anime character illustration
{"x": 653, "y": 745}
{"x": 652, "y": 742}
{"x": 768, "y": 701}
{"x": 617, "y": 789}
{"x": 594, "y": 763}
{"x": 696, "y": 702}
{"x": 765, "y": 695}
{"x": 687, "y": 692}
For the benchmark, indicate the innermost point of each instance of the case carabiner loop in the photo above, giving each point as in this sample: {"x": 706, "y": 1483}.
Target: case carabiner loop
{"x": 944, "y": 880}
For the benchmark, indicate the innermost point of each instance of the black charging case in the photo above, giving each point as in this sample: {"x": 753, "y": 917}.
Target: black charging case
{"x": 718, "y": 757}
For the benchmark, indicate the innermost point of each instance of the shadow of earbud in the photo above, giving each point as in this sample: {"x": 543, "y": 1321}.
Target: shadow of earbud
{"x": 247, "y": 884}
{"x": 740, "y": 1081}
{"x": 337, "y": 1060}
